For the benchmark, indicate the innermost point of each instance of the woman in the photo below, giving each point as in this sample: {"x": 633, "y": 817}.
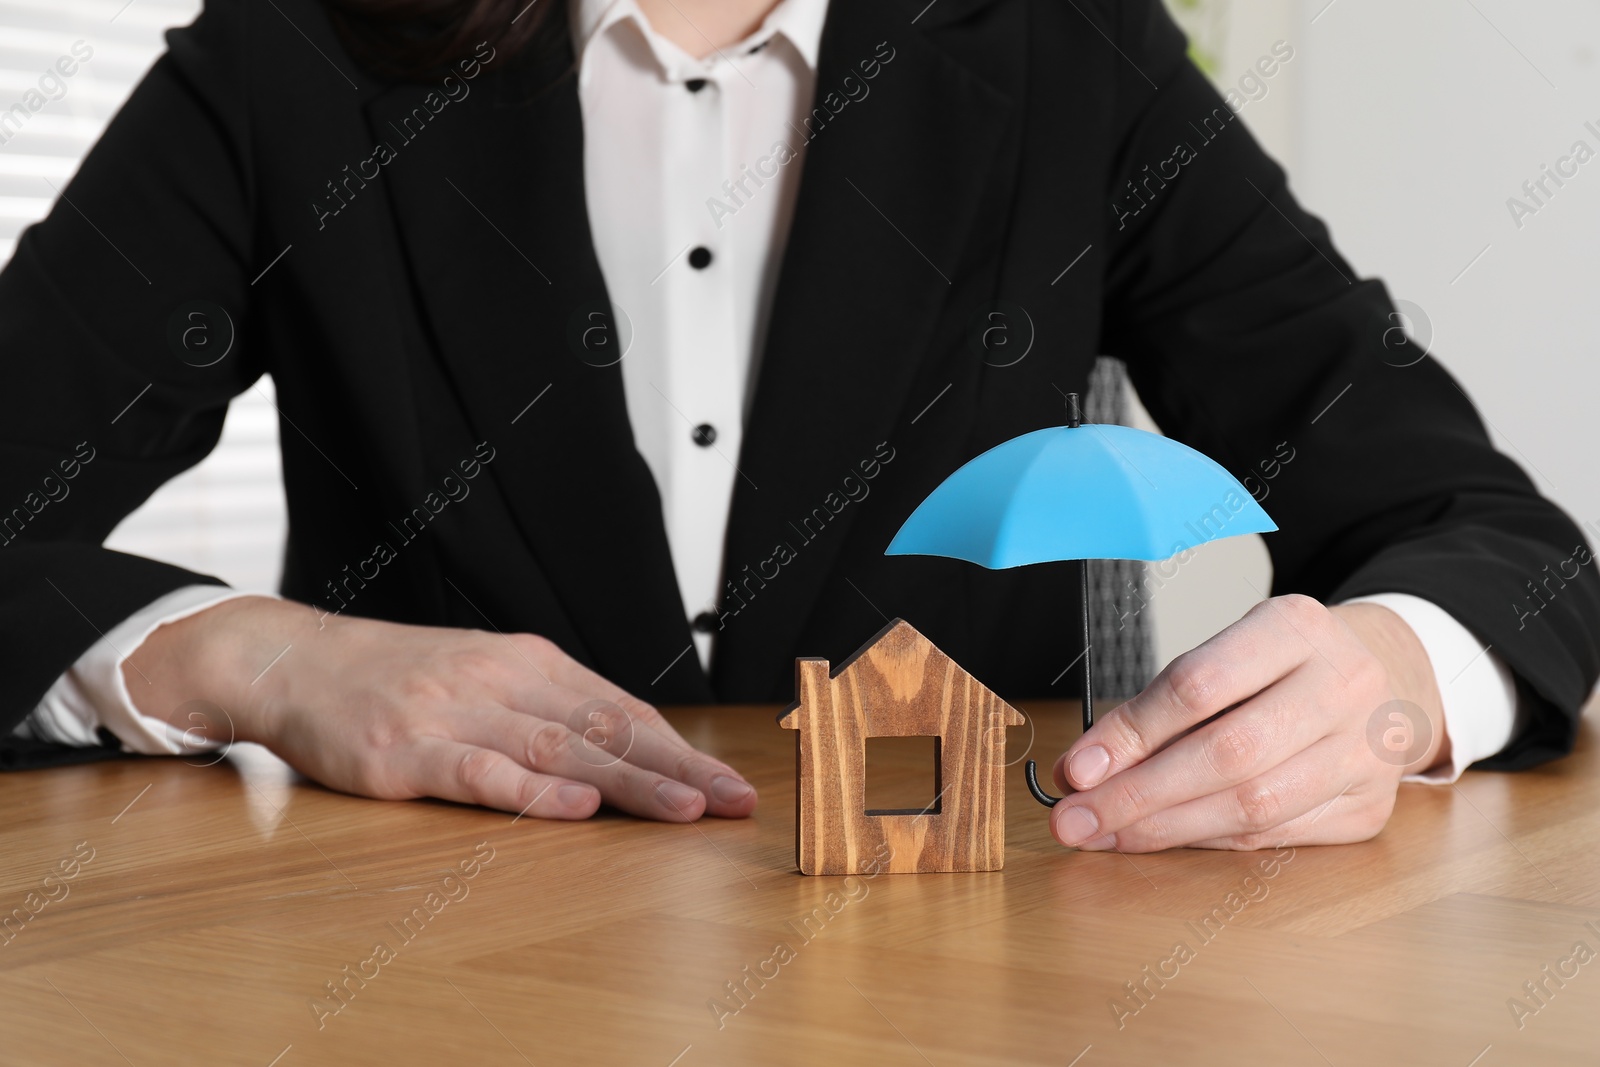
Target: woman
{"x": 612, "y": 344}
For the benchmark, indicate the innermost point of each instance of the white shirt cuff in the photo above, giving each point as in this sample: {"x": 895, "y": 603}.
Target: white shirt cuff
{"x": 1475, "y": 685}
{"x": 92, "y": 693}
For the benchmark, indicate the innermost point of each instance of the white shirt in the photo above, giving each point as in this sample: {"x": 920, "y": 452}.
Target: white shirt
{"x": 689, "y": 162}
{"x": 668, "y": 172}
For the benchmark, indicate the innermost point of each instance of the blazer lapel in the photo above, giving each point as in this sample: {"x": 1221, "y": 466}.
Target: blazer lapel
{"x": 888, "y": 199}
{"x": 489, "y": 197}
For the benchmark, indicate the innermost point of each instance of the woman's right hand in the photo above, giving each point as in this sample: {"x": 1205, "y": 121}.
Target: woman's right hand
{"x": 385, "y": 710}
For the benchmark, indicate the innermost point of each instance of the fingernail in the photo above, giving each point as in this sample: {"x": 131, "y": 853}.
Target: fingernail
{"x": 677, "y": 796}
{"x": 575, "y": 796}
{"x": 1076, "y": 825}
{"x": 730, "y": 790}
{"x": 1089, "y": 766}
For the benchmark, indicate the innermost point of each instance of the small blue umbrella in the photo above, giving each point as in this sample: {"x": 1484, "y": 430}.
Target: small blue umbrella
{"x": 1080, "y": 491}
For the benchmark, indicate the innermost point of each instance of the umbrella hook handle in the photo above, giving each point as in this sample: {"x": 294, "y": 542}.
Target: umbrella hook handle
{"x": 1030, "y": 771}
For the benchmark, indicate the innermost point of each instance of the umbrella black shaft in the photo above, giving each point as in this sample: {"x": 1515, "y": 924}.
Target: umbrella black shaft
{"x": 1088, "y": 688}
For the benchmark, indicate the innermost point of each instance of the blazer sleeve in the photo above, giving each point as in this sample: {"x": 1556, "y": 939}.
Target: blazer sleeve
{"x": 105, "y": 396}
{"x": 1248, "y": 336}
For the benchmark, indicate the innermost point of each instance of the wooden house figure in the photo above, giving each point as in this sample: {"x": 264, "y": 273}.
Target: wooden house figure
{"x": 898, "y": 685}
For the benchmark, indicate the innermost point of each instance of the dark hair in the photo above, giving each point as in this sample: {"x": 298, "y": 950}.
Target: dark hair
{"x": 414, "y": 40}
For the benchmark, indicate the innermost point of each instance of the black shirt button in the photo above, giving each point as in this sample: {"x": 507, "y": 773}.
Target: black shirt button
{"x": 694, "y": 85}
{"x": 705, "y": 435}
{"x": 700, "y": 258}
{"x": 706, "y": 622}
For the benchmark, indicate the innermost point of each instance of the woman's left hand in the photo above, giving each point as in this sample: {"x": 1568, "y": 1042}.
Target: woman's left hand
{"x": 1292, "y": 726}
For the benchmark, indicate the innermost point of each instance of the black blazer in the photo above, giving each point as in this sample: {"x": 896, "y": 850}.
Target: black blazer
{"x": 409, "y": 331}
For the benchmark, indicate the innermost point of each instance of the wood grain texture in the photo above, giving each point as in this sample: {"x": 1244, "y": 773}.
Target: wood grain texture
{"x": 899, "y": 684}
{"x": 220, "y": 901}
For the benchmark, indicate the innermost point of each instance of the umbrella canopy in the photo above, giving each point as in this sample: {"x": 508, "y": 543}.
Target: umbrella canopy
{"x": 1092, "y": 491}
{"x": 1080, "y": 491}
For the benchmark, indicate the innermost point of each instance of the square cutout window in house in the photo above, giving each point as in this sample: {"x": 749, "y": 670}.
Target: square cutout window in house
{"x": 903, "y": 776}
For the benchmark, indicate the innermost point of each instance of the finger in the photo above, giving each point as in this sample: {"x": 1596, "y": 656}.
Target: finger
{"x": 467, "y": 774}
{"x": 611, "y": 731}
{"x": 563, "y": 670}
{"x": 549, "y": 747}
{"x": 1351, "y": 816}
{"x": 1233, "y": 666}
{"x": 1258, "y": 809}
{"x": 608, "y": 733}
{"x": 564, "y": 673}
{"x": 1059, "y": 771}
{"x": 1250, "y": 740}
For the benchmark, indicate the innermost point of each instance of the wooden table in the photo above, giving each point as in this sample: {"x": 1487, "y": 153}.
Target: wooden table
{"x": 209, "y": 907}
